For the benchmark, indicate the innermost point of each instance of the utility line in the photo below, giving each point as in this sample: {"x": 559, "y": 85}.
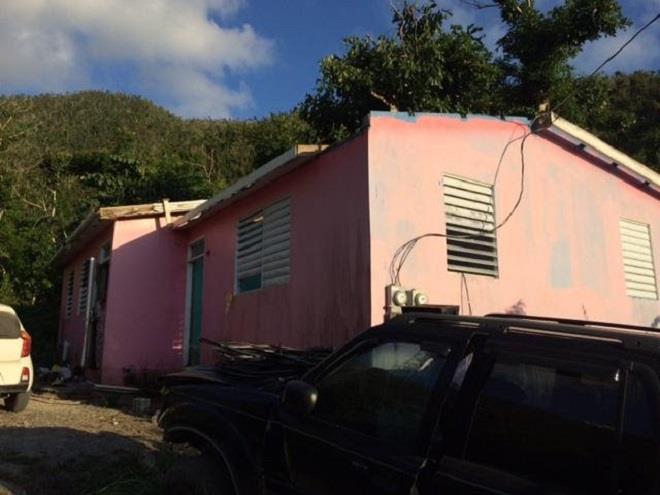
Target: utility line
{"x": 403, "y": 252}
{"x": 610, "y": 58}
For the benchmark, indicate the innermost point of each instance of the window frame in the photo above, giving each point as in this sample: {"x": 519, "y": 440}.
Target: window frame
{"x": 436, "y": 403}
{"x": 467, "y": 403}
{"x": 494, "y": 272}
{"x": 626, "y": 228}
{"x": 69, "y": 294}
{"x": 86, "y": 284}
{"x": 262, "y": 215}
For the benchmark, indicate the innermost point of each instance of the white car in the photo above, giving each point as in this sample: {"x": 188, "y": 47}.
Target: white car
{"x": 16, "y": 373}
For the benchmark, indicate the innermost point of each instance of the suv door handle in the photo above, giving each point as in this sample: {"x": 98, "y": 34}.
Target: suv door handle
{"x": 360, "y": 466}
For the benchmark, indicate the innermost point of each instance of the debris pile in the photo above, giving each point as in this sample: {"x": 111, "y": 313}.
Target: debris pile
{"x": 261, "y": 365}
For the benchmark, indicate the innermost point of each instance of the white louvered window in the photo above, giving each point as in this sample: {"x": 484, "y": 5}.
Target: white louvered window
{"x": 68, "y": 307}
{"x": 83, "y": 289}
{"x": 470, "y": 224}
{"x": 263, "y": 248}
{"x": 638, "y": 263}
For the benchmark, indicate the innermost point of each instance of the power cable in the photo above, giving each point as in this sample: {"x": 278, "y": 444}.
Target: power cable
{"x": 467, "y": 293}
{"x": 610, "y": 58}
{"x": 401, "y": 254}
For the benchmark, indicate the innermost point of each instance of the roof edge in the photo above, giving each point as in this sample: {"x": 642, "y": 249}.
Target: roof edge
{"x": 298, "y": 153}
{"x": 98, "y": 218}
{"x": 565, "y": 129}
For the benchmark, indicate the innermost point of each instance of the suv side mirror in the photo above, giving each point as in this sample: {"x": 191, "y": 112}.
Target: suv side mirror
{"x": 299, "y": 398}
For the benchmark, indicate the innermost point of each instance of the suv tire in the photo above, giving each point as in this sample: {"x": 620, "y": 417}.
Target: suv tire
{"x": 199, "y": 475}
{"x": 17, "y": 402}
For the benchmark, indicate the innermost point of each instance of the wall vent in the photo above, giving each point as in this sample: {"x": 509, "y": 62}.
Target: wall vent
{"x": 638, "y": 263}
{"x": 264, "y": 244}
{"x": 470, "y": 219}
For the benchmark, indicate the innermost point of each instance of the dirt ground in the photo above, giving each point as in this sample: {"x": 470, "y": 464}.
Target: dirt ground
{"x": 66, "y": 446}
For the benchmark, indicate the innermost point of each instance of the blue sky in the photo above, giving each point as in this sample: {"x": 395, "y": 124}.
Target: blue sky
{"x": 225, "y": 58}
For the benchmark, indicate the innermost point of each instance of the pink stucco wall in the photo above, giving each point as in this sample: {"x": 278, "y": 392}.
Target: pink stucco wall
{"x": 327, "y": 298}
{"x": 72, "y": 329}
{"x": 144, "y": 322}
{"x": 560, "y": 254}
{"x": 351, "y": 208}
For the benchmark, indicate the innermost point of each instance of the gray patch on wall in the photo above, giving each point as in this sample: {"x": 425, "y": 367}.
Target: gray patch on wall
{"x": 560, "y": 265}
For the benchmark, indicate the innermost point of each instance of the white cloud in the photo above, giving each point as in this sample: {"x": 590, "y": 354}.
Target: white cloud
{"x": 56, "y": 45}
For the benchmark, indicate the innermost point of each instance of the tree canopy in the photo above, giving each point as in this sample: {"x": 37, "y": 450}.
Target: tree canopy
{"x": 429, "y": 64}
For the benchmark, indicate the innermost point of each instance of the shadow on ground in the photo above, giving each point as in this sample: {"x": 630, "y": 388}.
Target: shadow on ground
{"x": 50, "y": 461}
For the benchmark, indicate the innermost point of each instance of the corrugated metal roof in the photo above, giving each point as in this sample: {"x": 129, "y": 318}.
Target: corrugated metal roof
{"x": 275, "y": 168}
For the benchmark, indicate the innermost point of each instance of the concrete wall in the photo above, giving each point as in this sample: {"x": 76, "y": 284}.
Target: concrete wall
{"x": 144, "y": 321}
{"x": 560, "y": 254}
{"x": 72, "y": 329}
{"x": 327, "y": 298}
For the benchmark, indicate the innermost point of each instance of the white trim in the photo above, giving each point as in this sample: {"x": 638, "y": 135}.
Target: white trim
{"x": 88, "y": 309}
{"x": 188, "y": 306}
{"x": 186, "y": 329}
{"x": 608, "y": 153}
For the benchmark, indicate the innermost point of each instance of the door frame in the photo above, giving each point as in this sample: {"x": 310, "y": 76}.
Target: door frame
{"x": 188, "y": 307}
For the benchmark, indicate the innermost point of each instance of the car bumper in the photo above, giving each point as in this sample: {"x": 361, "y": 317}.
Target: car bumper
{"x": 14, "y": 389}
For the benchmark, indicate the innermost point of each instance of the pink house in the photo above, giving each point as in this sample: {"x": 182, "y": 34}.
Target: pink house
{"x": 299, "y": 253}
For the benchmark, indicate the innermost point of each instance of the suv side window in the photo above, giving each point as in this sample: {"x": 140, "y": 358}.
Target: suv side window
{"x": 383, "y": 391}
{"x": 639, "y": 470}
{"x": 548, "y": 422}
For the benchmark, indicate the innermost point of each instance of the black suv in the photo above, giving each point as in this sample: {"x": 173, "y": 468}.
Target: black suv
{"x": 436, "y": 404}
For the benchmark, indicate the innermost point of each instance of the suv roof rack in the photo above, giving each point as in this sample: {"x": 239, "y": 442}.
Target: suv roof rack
{"x": 629, "y": 336}
{"x": 571, "y": 321}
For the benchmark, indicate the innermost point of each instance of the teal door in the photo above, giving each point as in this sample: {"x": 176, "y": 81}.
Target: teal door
{"x": 196, "y": 270}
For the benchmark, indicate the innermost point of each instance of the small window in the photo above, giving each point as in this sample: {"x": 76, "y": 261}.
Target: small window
{"x": 68, "y": 306}
{"x": 263, "y": 248}
{"x": 83, "y": 289}
{"x": 638, "y": 263}
{"x": 470, "y": 226}
{"x": 196, "y": 249}
{"x": 382, "y": 392}
{"x": 549, "y": 424}
{"x": 104, "y": 253}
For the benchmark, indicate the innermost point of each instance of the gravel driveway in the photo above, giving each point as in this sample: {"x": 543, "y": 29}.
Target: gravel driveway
{"x": 62, "y": 446}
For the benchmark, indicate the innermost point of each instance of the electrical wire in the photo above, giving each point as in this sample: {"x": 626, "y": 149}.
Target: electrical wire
{"x": 610, "y": 58}
{"x": 403, "y": 252}
{"x": 467, "y": 293}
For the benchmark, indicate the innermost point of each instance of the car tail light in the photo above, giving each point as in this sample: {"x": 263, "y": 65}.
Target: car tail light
{"x": 27, "y": 344}
{"x": 25, "y": 375}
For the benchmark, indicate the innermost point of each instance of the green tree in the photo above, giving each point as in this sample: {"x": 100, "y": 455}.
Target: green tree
{"x": 427, "y": 66}
{"x": 63, "y": 155}
{"x": 538, "y": 47}
{"x": 627, "y": 115}
{"x": 422, "y": 67}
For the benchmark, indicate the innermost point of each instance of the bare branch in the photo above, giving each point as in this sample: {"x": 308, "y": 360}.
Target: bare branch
{"x": 392, "y": 106}
{"x": 41, "y": 207}
{"x": 475, "y": 4}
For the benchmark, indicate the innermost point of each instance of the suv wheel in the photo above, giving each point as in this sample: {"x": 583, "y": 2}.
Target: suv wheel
{"x": 200, "y": 475}
{"x": 17, "y": 402}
